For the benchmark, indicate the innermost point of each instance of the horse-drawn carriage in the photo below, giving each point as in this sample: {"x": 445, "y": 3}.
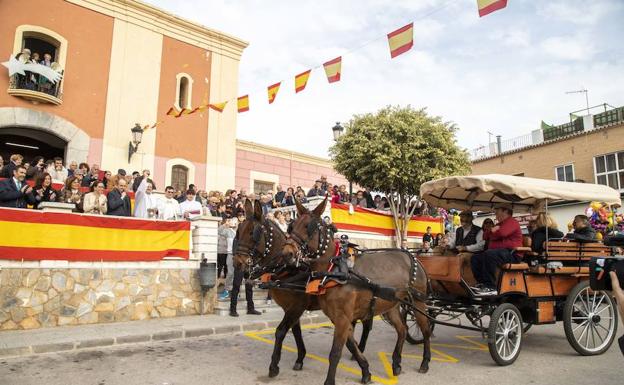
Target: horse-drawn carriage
{"x": 542, "y": 289}
{"x": 416, "y": 292}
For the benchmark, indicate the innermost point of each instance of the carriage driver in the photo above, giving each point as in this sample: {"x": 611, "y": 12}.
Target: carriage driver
{"x": 468, "y": 237}
{"x": 503, "y": 239}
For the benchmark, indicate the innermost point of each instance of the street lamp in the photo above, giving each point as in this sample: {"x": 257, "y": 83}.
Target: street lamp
{"x": 338, "y": 131}
{"x": 137, "y": 135}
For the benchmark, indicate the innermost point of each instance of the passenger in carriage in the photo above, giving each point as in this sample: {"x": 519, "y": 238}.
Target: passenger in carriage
{"x": 468, "y": 237}
{"x": 582, "y": 230}
{"x": 486, "y": 226}
{"x": 503, "y": 238}
{"x": 544, "y": 224}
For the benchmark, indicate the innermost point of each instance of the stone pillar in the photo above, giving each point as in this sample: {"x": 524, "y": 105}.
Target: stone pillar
{"x": 205, "y": 238}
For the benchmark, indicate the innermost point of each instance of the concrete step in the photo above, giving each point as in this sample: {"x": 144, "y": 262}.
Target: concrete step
{"x": 222, "y": 307}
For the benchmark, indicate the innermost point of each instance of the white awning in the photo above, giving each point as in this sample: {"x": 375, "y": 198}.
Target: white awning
{"x": 482, "y": 192}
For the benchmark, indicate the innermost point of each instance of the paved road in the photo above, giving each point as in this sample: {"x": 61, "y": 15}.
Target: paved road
{"x": 459, "y": 357}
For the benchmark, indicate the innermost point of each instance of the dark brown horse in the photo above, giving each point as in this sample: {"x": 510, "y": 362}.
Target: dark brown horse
{"x": 258, "y": 243}
{"x": 344, "y": 304}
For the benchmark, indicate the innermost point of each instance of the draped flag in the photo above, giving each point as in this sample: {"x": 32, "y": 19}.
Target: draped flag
{"x": 301, "y": 81}
{"x": 401, "y": 40}
{"x": 272, "y": 91}
{"x": 218, "y": 106}
{"x": 243, "y": 103}
{"x": 332, "y": 69}
{"x": 488, "y": 6}
{"x": 61, "y": 236}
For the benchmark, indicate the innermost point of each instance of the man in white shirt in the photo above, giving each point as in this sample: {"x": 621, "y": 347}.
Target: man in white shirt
{"x": 57, "y": 171}
{"x": 169, "y": 208}
{"x": 145, "y": 203}
{"x": 468, "y": 237}
{"x": 190, "y": 208}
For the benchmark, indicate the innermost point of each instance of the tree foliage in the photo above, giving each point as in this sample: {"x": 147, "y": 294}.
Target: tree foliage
{"x": 397, "y": 149}
{"x": 394, "y": 151}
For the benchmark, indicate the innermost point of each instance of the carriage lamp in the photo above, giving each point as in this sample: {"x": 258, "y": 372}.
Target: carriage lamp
{"x": 338, "y": 130}
{"x": 137, "y": 135}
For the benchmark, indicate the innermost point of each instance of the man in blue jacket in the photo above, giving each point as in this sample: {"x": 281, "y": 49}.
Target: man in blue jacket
{"x": 14, "y": 192}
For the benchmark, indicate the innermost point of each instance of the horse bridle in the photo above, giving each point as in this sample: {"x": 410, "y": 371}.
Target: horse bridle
{"x": 325, "y": 237}
{"x": 265, "y": 228}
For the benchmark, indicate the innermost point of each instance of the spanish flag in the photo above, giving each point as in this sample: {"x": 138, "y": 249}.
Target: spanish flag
{"x": 243, "y": 103}
{"x": 157, "y": 123}
{"x": 272, "y": 91}
{"x": 218, "y": 107}
{"x": 401, "y": 40}
{"x": 332, "y": 69}
{"x": 183, "y": 111}
{"x": 301, "y": 81}
{"x": 488, "y": 6}
{"x": 172, "y": 111}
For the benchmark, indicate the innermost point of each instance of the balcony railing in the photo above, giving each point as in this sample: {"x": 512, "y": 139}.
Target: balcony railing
{"x": 35, "y": 88}
{"x": 602, "y": 119}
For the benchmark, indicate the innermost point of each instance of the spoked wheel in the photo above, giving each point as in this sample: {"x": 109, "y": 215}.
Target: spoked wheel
{"x": 505, "y": 334}
{"x": 414, "y": 335}
{"x": 589, "y": 320}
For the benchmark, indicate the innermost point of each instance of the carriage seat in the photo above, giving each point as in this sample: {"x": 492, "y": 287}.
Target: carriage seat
{"x": 515, "y": 266}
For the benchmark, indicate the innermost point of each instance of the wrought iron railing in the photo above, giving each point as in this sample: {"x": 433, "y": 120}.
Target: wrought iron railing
{"x": 35, "y": 83}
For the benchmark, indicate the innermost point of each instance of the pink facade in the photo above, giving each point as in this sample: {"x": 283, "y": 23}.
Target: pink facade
{"x": 290, "y": 172}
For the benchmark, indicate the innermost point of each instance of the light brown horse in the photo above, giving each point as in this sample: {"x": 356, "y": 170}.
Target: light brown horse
{"x": 258, "y": 243}
{"x": 352, "y": 301}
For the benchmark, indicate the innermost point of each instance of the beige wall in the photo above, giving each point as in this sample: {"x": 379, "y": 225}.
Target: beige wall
{"x": 540, "y": 162}
{"x": 132, "y": 95}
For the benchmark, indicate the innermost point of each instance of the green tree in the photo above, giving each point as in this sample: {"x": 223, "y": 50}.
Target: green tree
{"x": 394, "y": 151}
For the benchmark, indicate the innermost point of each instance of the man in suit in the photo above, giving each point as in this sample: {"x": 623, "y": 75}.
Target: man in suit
{"x": 118, "y": 200}
{"x": 14, "y": 192}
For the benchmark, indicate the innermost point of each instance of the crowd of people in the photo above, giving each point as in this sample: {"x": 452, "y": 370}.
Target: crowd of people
{"x": 92, "y": 190}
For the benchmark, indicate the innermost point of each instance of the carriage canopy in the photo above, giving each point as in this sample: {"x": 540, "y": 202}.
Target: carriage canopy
{"x": 483, "y": 192}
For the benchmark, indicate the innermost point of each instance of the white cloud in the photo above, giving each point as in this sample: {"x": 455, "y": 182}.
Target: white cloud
{"x": 580, "y": 12}
{"x": 569, "y": 47}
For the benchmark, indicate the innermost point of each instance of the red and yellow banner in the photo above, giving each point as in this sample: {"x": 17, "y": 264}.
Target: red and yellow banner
{"x": 488, "y": 6}
{"x": 332, "y": 69}
{"x": 219, "y": 107}
{"x": 272, "y": 91}
{"x": 243, "y": 103}
{"x": 401, "y": 40}
{"x": 183, "y": 111}
{"x": 172, "y": 112}
{"x": 301, "y": 81}
{"x": 35, "y": 235}
{"x": 372, "y": 221}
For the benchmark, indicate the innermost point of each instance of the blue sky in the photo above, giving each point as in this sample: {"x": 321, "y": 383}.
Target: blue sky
{"x": 503, "y": 73}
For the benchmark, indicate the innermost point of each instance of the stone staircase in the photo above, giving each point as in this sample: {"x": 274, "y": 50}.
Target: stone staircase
{"x": 223, "y": 306}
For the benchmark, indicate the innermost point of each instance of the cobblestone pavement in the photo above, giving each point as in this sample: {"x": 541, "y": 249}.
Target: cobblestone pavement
{"x": 458, "y": 357}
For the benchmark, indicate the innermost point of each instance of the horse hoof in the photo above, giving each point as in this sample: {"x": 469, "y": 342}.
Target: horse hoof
{"x": 423, "y": 370}
{"x": 273, "y": 372}
{"x": 366, "y": 378}
{"x": 298, "y": 366}
{"x": 396, "y": 370}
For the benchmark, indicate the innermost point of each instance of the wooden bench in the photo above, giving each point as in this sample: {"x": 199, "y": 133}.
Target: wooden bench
{"x": 575, "y": 251}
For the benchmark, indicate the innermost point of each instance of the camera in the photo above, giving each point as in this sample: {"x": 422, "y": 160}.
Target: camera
{"x": 599, "y": 269}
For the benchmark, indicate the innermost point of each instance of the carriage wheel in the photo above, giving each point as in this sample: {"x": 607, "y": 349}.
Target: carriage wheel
{"x": 505, "y": 334}
{"x": 589, "y": 320}
{"x": 414, "y": 335}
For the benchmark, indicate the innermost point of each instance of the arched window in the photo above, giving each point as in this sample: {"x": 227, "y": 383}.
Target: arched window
{"x": 184, "y": 91}
{"x": 179, "y": 177}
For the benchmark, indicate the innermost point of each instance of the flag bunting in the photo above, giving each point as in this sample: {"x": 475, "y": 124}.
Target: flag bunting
{"x": 488, "y": 6}
{"x": 243, "y": 103}
{"x": 401, "y": 40}
{"x": 332, "y": 69}
{"x": 272, "y": 91}
{"x": 301, "y": 81}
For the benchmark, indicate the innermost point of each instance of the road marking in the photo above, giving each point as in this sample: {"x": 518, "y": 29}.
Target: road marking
{"x": 384, "y": 357}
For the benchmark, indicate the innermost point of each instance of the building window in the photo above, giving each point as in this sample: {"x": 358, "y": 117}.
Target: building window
{"x": 261, "y": 187}
{"x": 565, "y": 173}
{"x": 184, "y": 91}
{"x": 609, "y": 170}
{"x": 179, "y": 177}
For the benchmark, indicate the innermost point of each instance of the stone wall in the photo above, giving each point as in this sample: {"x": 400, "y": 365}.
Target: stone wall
{"x": 37, "y": 297}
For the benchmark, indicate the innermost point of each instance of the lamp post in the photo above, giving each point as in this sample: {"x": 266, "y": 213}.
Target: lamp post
{"x": 338, "y": 131}
{"x": 137, "y": 135}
